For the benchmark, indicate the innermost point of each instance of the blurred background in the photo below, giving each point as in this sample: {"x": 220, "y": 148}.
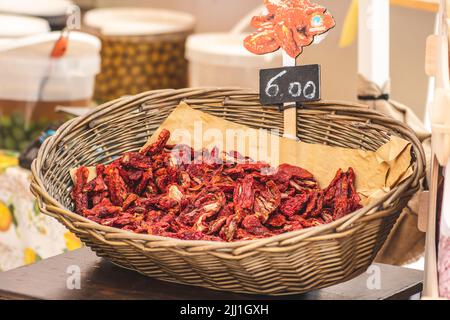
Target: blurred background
{"x": 409, "y": 29}
{"x": 144, "y": 49}
{"x": 116, "y": 48}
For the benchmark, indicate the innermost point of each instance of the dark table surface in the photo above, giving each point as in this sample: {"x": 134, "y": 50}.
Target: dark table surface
{"x": 100, "y": 279}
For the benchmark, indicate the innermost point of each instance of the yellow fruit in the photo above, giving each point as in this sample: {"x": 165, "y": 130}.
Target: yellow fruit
{"x": 29, "y": 256}
{"x": 6, "y": 218}
{"x": 72, "y": 242}
{"x": 7, "y": 162}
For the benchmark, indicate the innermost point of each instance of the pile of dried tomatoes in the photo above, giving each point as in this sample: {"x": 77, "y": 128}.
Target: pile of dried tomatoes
{"x": 175, "y": 191}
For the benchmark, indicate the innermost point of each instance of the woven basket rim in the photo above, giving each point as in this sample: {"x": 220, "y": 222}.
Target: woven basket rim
{"x": 115, "y": 233}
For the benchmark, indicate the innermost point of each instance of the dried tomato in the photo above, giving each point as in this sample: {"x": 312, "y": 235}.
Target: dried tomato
{"x": 79, "y": 192}
{"x": 177, "y": 192}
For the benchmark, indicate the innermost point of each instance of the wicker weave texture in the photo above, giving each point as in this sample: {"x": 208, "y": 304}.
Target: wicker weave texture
{"x": 289, "y": 263}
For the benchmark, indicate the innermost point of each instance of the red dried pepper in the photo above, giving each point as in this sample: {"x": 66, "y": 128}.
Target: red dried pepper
{"x": 177, "y": 192}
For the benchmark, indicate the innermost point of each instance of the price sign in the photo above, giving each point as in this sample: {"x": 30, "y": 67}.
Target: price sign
{"x": 289, "y": 84}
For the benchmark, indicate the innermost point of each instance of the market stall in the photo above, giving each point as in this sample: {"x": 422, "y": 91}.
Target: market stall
{"x": 259, "y": 186}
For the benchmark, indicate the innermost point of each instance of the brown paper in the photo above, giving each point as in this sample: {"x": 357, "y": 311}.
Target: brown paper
{"x": 377, "y": 172}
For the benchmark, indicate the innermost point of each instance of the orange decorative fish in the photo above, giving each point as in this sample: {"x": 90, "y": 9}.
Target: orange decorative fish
{"x": 290, "y": 25}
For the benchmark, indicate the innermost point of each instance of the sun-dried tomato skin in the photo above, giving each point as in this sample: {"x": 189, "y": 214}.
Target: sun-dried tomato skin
{"x": 174, "y": 191}
{"x": 79, "y": 196}
{"x": 158, "y": 145}
{"x": 294, "y": 205}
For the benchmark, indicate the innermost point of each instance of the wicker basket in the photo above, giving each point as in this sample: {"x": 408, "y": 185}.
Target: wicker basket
{"x": 289, "y": 263}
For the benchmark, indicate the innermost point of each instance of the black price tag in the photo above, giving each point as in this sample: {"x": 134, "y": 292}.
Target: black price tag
{"x": 289, "y": 84}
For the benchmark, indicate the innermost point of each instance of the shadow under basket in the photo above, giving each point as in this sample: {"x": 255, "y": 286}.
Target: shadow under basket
{"x": 290, "y": 263}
